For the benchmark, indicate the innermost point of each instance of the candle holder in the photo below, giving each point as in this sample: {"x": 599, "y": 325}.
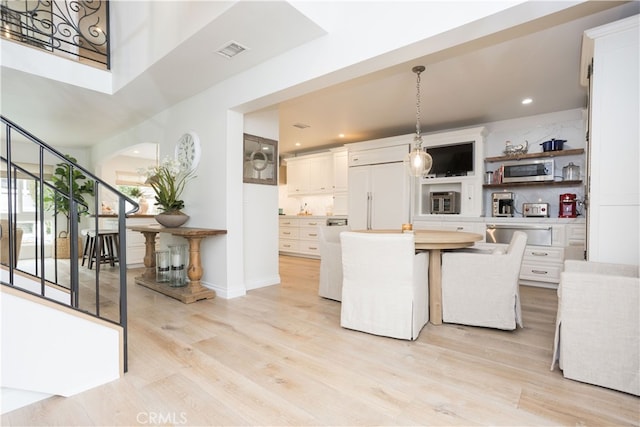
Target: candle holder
{"x": 163, "y": 271}
{"x": 178, "y": 255}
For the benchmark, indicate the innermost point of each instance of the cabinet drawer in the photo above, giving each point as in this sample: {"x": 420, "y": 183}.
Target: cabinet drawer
{"x": 541, "y": 272}
{"x": 289, "y": 233}
{"x": 537, "y": 254}
{"x": 309, "y": 247}
{"x": 286, "y": 245}
{"x": 309, "y": 233}
{"x": 314, "y": 223}
{"x": 288, "y": 222}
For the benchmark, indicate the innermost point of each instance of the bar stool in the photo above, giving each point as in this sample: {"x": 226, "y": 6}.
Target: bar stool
{"x": 104, "y": 241}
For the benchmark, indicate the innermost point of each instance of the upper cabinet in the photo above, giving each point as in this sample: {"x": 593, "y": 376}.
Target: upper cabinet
{"x": 340, "y": 170}
{"x": 312, "y": 174}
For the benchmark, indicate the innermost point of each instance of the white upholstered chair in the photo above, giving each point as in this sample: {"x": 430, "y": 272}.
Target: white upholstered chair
{"x": 482, "y": 289}
{"x": 385, "y": 284}
{"x": 330, "y": 261}
{"x": 598, "y": 327}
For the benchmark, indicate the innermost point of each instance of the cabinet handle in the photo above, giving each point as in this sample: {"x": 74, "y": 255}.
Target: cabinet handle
{"x": 312, "y": 234}
{"x": 313, "y": 248}
{"x": 539, "y": 254}
{"x": 286, "y": 232}
{"x": 287, "y": 246}
{"x": 459, "y": 228}
{"x": 313, "y": 223}
{"x": 539, "y": 271}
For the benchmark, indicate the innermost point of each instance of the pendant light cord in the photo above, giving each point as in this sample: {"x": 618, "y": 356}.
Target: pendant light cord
{"x": 418, "y": 138}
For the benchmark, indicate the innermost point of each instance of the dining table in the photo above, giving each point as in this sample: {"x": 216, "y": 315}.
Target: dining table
{"x": 435, "y": 241}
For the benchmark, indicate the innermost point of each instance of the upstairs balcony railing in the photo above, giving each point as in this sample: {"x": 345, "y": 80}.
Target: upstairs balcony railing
{"x": 78, "y": 30}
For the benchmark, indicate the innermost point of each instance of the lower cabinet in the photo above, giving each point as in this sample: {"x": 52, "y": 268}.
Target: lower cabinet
{"x": 542, "y": 264}
{"x": 299, "y": 236}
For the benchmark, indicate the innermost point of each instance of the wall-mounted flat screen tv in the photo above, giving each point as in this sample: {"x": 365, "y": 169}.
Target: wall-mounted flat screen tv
{"x": 452, "y": 160}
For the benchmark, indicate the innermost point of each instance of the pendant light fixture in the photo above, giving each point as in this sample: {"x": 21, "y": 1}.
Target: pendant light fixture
{"x": 418, "y": 161}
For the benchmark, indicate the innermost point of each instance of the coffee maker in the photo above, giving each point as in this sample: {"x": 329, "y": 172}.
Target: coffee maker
{"x": 503, "y": 204}
{"x": 568, "y": 206}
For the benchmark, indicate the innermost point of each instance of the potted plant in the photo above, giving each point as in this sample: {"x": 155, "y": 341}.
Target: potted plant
{"x": 64, "y": 180}
{"x": 168, "y": 181}
{"x": 136, "y": 194}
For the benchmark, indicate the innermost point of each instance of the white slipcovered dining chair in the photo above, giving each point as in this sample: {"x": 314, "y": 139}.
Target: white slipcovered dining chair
{"x": 481, "y": 289}
{"x": 598, "y": 325}
{"x": 330, "y": 261}
{"x": 385, "y": 284}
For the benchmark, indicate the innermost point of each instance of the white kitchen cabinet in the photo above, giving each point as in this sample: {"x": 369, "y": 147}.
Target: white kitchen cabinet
{"x": 320, "y": 170}
{"x": 611, "y": 64}
{"x": 297, "y": 177}
{"x": 542, "y": 264}
{"x": 299, "y": 236}
{"x": 340, "y": 170}
{"x": 311, "y": 174}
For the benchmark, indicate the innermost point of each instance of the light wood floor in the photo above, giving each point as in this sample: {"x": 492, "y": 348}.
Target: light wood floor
{"x": 279, "y": 357}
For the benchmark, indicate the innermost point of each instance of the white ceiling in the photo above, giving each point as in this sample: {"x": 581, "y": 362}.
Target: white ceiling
{"x": 467, "y": 86}
{"x": 479, "y": 86}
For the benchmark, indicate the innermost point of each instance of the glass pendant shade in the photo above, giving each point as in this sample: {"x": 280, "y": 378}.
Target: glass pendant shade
{"x": 418, "y": 162}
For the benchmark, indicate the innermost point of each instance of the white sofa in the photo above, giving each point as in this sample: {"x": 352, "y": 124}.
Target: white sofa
{"x": 330, "y": 261}
{"x": 597, "y": 327}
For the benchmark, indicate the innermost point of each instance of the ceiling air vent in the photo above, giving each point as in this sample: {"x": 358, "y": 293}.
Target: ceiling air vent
{"x": 231, "y": 49}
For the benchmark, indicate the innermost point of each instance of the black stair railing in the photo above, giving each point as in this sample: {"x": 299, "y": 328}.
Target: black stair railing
{"x": 77, "y": 29}
{"x": 54, "y": 258}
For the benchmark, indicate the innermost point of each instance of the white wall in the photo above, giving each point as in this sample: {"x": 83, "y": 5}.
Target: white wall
{"x": 260, "y": 209}
{"x": 90, "y": 354}
{"x": 354, "y": 46}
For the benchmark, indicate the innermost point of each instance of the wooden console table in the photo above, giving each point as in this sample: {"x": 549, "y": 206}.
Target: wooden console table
{"x": 193, "y": 291}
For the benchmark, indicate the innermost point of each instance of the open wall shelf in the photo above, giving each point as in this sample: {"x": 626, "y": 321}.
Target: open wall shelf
{"x": 573, "y": 152}
{"x": 536, "y": 183}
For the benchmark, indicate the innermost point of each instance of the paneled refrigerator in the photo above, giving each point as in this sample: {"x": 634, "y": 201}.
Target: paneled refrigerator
{"x": 379, "y": 189}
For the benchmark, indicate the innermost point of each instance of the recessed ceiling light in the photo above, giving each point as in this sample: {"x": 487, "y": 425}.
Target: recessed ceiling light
{"x": 341, "y": 135}
{"x": 527, "y": 101}
{"x": 298, "y": 144}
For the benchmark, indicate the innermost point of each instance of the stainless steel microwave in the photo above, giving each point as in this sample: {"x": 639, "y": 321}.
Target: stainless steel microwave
{"x": 527, "y": 170}
{"x": 445, "y": 202}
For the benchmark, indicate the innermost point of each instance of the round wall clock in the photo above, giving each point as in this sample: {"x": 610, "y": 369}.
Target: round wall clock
{"x": 188, "y": 150}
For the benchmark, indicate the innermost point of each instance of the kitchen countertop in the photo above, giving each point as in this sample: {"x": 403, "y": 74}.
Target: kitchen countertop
{"x": 498, "y": 220}
{"x": 312, "y": 216}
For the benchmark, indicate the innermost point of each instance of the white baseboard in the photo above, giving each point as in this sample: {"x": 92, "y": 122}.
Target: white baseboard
{"x": 12, "y": 399}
